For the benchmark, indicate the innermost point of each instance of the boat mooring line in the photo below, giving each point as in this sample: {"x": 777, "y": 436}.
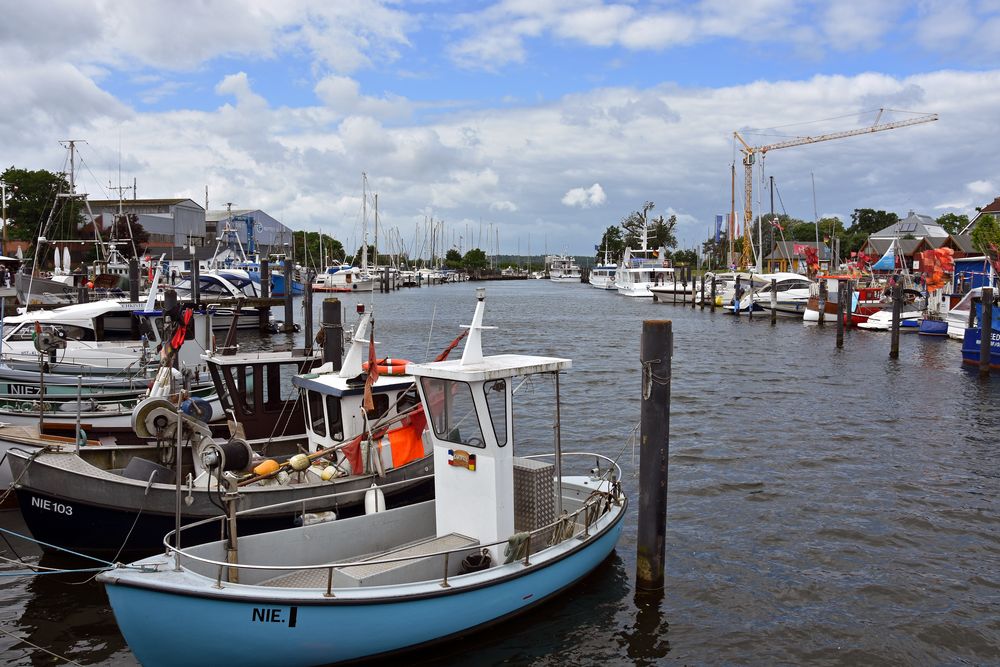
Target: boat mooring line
{"x": 25, "y": 641}
{"x": 36, "y": 573}
{"x": 55, "y": 546}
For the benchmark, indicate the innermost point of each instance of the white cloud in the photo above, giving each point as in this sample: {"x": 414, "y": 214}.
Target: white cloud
{"x": 585, "y": 197}
{"x": 508, "y": 206}
{"x": 981, "y": 188}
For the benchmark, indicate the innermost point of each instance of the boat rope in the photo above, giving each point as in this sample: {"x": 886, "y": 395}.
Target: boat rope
{"x": 8, "y": 531}
{"x": 564, "y": 528}
{"x": 36, "y": 646}
{"x": 37, "y": 572}
{"x": 31, "y": 458}
{"x": 517, "y": 547}
{"x": 142, "y": 506}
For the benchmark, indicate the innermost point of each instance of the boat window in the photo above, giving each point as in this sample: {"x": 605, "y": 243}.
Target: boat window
{"x": 407, "y": 400}
{"x": 453, "y": 411}
{"x": 381, "y": 402}
{"x": 496, "y": 401}
{"x": 333, "y": 418}
{"x": 316, "y": 417}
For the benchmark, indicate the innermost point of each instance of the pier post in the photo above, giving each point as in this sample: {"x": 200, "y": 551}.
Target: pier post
{"x": 774, "y": 301}
{"x": 289, "y": 312}
{"x": 195, "y": 279}
{"x": 133, "y": 279}
{"x": 848, "y": 304}
{"x": 655, "y": 355}
{"x": 712, "y": 306}
{"x": 985, "y": 332}
{"x": 264, "y": 312}
{"x": 702, "y": 292}
{"x": 307, "y": 315}
{"x": 822, "y": 300}
{"x": 897, "y": 307}
{"x": 840, "y": 314}
{"x": 333, "y": 332}
{"x": 82, "y": 294}
{"x": 694, "y": 286}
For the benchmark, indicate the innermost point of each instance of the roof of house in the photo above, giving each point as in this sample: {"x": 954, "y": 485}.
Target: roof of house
{"x": 915, "y": 225}
{"x": 963, "y": 242}
{"x": 993, "y": 208}
{"x": 876, "y": 245}
{"x": 218, "y": 215}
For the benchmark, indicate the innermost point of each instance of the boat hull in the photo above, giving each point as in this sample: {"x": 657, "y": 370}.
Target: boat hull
{"x": 79, "y": 507}
{"x": 971, "y": 347}
{"x": 220, "y": 628}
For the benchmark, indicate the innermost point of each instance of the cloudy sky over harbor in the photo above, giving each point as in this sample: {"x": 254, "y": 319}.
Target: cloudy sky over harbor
{"x": 548, "y": 119}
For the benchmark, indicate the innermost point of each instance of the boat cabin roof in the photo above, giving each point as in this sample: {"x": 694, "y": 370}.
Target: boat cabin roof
{"x": 245, "y": 358}
{"x": 333, "y": 384}
{"x": 490, "y": 368}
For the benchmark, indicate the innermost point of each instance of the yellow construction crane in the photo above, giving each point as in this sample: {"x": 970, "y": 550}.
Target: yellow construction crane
{"x": 750, "y": 152}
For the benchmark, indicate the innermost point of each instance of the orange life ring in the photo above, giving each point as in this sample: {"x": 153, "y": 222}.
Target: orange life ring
{"x": 389, "y": 366}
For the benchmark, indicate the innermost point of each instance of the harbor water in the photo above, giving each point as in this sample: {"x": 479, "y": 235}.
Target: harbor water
{"x": 825, "y": 507}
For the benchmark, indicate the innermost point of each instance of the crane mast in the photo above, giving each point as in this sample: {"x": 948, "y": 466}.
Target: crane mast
{"x": 750, "y": 152}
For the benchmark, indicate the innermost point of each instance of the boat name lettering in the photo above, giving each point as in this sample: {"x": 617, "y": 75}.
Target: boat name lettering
{"x": 274, "y": 615}
{"x": 22, "y": 389}
{"x": 49, "y": 506}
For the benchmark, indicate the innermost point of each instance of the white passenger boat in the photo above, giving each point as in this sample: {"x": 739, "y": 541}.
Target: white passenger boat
{"x": 602, "y": 276}
{"x": 640, "y": 270}
{"x": 503, "y": 534}
{"x": 562, "y": 269}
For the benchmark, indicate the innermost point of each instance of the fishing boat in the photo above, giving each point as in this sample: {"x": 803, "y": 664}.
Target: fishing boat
{"x": 503, "y": 534}
{"x": 972, "y": 342}
{"x": 297, "y": 444}
{"x": 865, "y": 300}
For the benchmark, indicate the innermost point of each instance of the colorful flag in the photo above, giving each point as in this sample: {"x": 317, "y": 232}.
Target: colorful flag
{"x": 718, "y": 228}
{"x": 776, "y": 224}
{"x": 369, "y": 401}
{"x": 888, "y": 261}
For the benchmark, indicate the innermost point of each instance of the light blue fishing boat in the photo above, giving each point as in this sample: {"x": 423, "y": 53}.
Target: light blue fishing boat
{"x": 503, "y": 534}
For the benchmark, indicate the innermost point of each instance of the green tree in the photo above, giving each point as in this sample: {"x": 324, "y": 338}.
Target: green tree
{"x": 663, "y": 232}
{"x": 475, "y": 260}
{"x": 986, "y": 236}
{"x": 636, "y": 226}
{"x": 613, "y": 242}
{"x": 31, "y": 196}
{"x": 869, "y": 221}
{"x": 453, "y": 259}
{"x": 684, "y": 257}
{"x": 332, "y": 249}
{"x": 953, "y": 223}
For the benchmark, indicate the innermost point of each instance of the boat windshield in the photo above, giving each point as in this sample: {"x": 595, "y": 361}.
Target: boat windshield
{"x": 453, "y": 412}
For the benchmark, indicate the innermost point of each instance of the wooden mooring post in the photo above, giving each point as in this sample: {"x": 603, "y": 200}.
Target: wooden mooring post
{"x": 840, "y": 314}
{"x": 774, "y": 301}
{"x": 657, "y": 345}
{"x": 897, "y": 307}
{"x": 333, "y": 332}
{"x": 289, "y": 326}
{"x": 822, "y": 300}
{"x": 712, "y": 306}
{"x": 702, "y": 299}
{"x": 985, "y": 332}
{"x": 307, "y": 314}
{"x": 264, "y": 313}
{"x": 694, "y": 286}
{"x": 196, "y": 279}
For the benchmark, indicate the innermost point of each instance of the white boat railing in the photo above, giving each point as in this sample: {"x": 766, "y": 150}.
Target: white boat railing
{"x": 591, "y": 510}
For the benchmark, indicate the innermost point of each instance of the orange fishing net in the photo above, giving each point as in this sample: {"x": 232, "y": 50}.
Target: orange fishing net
{"x": 935, "y": 265}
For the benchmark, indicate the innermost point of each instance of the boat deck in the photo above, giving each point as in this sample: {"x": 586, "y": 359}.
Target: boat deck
{"x": 318, "y": 578}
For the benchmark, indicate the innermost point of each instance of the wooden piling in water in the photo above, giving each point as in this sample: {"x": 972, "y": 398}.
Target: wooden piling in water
{"x": 656, "y": 350}
{"x": 702, "y": 299}
{"x": 694, "y": 286}
{"x": 897, "y": 307}
{"x": 774, "y": 301}
{"x": 289, "y": 312}
{"x": 133, "y": 279}
{"x": 307, "y": 315}
{"x": 848, "y": 304}
{"x": 333, "y": 332}
{"x": 822, "y": 300}
{"x": 712, "y": 306}
{"x": 840, "y": 314}
{"x": 985, "y": 332}
{"x": 264, "y": 314}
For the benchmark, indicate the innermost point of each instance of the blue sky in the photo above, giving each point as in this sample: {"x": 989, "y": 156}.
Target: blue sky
{"x": 544, "y": 118}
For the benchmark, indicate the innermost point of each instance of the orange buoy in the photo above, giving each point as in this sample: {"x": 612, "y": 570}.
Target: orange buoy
{"x": 266, "y": 467}
{"x": 390, "y": 366}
